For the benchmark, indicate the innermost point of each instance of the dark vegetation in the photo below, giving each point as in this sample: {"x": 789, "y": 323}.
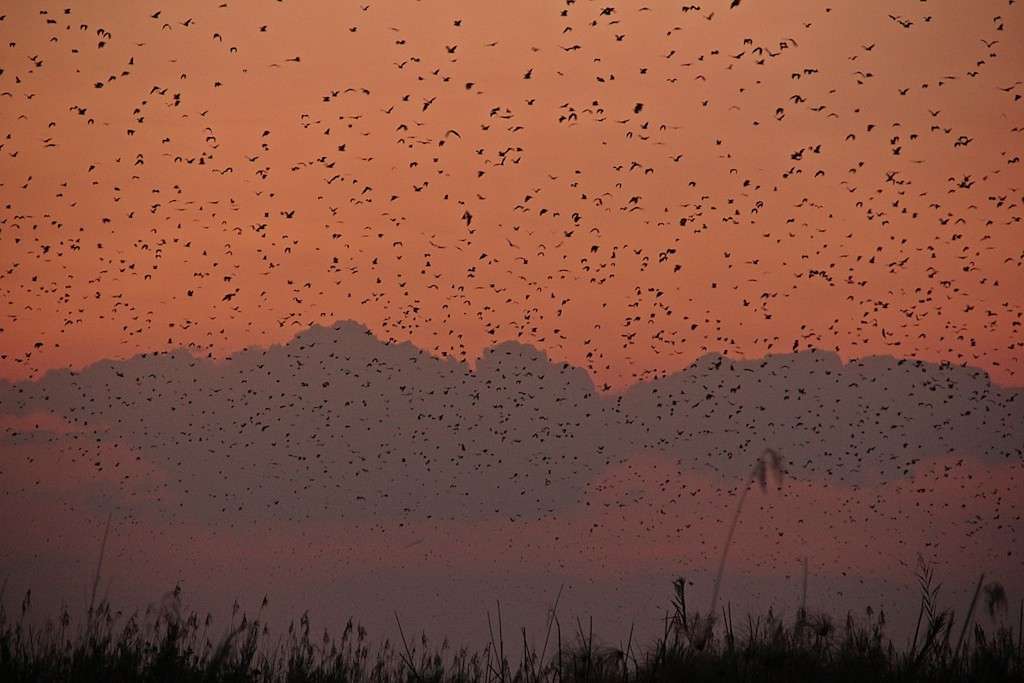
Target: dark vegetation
{"x": 164, "y": 644}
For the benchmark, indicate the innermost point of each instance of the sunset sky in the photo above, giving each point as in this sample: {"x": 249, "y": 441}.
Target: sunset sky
{"x": 620, "y": 189}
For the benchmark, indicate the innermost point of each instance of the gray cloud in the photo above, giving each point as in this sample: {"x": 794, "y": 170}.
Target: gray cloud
{"x": 337, "y": 423}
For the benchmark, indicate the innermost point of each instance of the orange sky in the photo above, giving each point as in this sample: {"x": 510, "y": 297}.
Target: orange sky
{"x": 625, "y": 187}
{"x": 124, "y": 226}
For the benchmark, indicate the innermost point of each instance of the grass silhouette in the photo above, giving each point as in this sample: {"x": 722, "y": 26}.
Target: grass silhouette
{"x": 164, "y": 644}
{"x": 759, "y": 474}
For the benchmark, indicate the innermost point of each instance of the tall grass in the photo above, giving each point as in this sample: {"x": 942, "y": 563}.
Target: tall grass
{"x": 762, "y": 466}
{"x": 163, "y": 643}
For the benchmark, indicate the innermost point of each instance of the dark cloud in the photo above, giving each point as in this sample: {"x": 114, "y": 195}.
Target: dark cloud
{"x": 337, "y": 423}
